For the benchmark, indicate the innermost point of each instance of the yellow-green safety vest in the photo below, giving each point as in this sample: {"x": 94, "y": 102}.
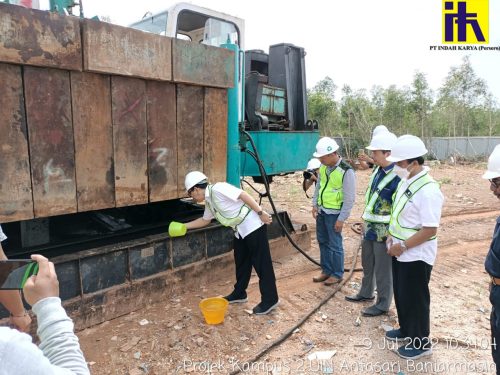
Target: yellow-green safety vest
{"x": 395, "y": 228}
{"x": 331, "y": 194}
{"x": 232, "y": 222}
{"x": 372, "y": 197}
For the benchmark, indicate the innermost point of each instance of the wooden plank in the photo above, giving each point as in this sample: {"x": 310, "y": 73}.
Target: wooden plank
{"x": 215, "y": 129}
{"x": 40, "y": 38}
{"x": 162, "y": 141}
{"x": 93, "y": 141}
{"x": 48, "y": 110}
{"x": 189, "y": 132}
{"x": 16, "y": 200}
{"x": 122, "y": 50}
{"x": 202, "y": 65}
{"x": 129, "y": 140}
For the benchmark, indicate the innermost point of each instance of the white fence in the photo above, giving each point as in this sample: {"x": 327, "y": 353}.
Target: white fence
{"x": 468, "y": 147}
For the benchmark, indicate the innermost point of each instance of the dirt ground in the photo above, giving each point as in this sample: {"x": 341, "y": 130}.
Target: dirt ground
{"x": 171, "y": 336}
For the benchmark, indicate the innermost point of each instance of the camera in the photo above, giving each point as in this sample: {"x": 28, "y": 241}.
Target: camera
{"x": 307, "y": 175}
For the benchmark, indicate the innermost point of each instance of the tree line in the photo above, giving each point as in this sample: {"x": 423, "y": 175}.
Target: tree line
{"x": 462, "y": 106}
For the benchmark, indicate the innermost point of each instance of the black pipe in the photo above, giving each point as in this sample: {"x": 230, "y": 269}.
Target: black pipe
{"x": 268, "y": 192}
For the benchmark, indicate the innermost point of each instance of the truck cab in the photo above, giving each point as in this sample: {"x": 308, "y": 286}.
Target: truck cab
{"x": 195, "y": 23}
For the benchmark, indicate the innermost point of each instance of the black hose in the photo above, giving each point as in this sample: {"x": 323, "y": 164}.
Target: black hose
{"x": 356, "y": 227}
{"x": 268, "y": 191}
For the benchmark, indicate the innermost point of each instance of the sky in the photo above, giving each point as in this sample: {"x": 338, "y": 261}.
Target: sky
{"x": 356, "y": 42}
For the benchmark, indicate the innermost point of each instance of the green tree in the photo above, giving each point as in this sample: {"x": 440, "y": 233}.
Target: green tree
{"x": 421, "y": 102}
{"x": 461, "y": 95}
{"x": 322, "y": 106}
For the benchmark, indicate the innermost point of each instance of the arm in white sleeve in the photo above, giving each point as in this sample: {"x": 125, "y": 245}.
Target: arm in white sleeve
{"x": 58, "y": 341}
{"x": 60, "y": 352}
{"x": 316, "y": 193}
{"x": 349, "y": 190}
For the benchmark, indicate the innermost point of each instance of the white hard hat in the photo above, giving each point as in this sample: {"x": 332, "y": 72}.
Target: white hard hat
{"x": 325, "y": 146}
{"x": 493, "y": 164}
{"x": 407, "y": 147}
{"x": 379, "y": 129}
{"x": 383, "y": 141}
{"x": 313, "y": 164}
{"x": 194, "y": 178}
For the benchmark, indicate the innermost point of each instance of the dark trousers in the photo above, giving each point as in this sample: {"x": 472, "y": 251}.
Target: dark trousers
{"x": 495, "y": 324}
{"x": 253, "y": 250}
{"x": 412, "y": 298}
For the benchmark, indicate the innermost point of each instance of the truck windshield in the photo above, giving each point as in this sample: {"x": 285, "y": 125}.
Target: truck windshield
{"x": 218, "y": 32}
{"x": 155, "y": 24}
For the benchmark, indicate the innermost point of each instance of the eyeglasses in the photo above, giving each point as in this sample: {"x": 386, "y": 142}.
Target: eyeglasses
{"x": 496, "y": 183}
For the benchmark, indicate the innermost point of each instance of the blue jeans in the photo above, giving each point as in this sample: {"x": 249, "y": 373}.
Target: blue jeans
{"x": 330, "y": 245}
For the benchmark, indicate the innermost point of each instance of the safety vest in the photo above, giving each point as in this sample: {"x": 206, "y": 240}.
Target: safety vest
{"x": 232, "y": 222}
{"x": 395, "y": 228}
{"x": 331, "y": 193}
{"x": 372, "y": 196}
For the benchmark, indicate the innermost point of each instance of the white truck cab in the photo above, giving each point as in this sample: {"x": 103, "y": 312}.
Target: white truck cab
{"x": 195, "y": 23}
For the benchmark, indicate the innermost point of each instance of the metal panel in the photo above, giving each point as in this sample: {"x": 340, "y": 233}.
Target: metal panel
{"x": 443, "y": 148}
{"x": 146, "y": 261}
{"x": 219, "y": 241}
{"x": 103, "y": 271}
{"x": 272, "y": 101}
{"x": 275, "y": 149}
{"x": 16, "y": 200}
{"x": 189, "y": 132}
{"x": 188, "y": 249}
{"x": 202, "y": 65}
{"x": 125, "y": 51}
{"x": 162, "y": 141}
{"x": 39, "y": 38}
{"x": 93, "y": 141}
{"x": 69, "y": 279}
{"x": 215, "y": 129}
{"x": 129, "y": 140}
{"x": 48, "y": 110}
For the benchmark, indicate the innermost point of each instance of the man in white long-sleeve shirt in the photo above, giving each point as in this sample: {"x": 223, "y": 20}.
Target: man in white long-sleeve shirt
{"x": 59, "y": 351}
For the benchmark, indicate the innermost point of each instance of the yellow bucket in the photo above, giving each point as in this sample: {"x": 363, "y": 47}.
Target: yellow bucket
{"x": 176, "y": 229}
{"x": 213, "y": 309}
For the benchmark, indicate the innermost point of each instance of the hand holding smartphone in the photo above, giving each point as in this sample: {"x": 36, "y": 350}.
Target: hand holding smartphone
{"x": 15, "y": 272}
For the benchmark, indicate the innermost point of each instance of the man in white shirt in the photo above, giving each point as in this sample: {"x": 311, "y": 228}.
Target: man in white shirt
{"x": 235, "y": 208}
{"x": 11, "y": 300}
{"x": 415, "y": 216}
{"x": 59, "y": 351}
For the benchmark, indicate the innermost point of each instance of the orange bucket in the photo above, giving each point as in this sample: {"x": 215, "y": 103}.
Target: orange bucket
{"x": 213, "y": 309}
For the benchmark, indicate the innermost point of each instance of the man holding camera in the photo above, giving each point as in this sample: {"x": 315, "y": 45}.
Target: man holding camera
{"x": 310, "y": 174}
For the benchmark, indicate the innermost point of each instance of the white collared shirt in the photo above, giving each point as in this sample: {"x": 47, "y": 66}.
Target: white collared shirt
{"x": 422, "y": 210}
{"x": 228, "y": 203}
{"x": 2, "y": 235}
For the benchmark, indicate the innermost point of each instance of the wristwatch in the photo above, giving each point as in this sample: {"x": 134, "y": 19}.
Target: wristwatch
{"x": 403, "y": 246}
{"x": 260, "y": 212}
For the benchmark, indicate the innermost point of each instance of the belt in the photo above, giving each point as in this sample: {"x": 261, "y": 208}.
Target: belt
{"x": 495, "y": 280}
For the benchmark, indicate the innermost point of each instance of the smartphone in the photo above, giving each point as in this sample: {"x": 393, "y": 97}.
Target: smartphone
{"x": 15, "y": 272}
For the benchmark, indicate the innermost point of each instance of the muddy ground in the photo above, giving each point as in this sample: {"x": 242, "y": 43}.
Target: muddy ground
{"x": 171, "y": 336}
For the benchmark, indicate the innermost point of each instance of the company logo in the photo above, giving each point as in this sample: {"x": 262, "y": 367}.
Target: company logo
{"x": 465, "y": 21}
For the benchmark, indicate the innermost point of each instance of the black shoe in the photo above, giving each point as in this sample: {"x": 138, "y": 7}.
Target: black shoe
{"x": 358, "y": 298}
{"x": 265, "y": 308}
{"x": 235, "y": 298}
